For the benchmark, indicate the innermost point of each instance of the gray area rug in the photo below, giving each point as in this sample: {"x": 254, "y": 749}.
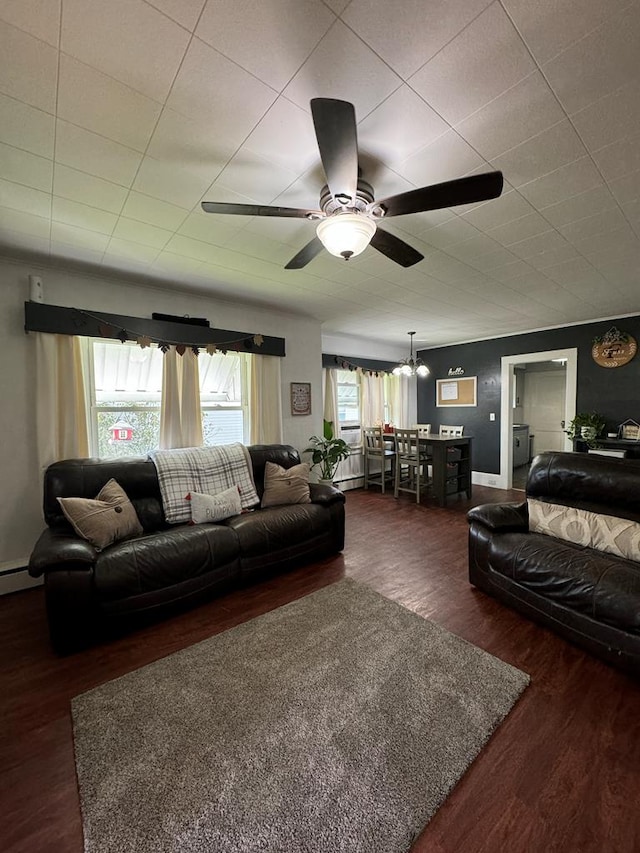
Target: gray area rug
{"x": 339, "y": 722}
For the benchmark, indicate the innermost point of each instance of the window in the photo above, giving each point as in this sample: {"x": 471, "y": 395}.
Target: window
{"x": 348, "y": 386}
{"x": 125, "y": 392}
{"x": 224, "y": 398}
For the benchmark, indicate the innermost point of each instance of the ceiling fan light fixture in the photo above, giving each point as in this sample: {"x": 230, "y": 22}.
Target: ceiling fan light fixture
{"x": 346, "y": 235}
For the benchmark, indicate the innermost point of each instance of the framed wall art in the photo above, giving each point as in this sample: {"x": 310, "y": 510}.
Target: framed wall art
{"x": 300, "y": 398}
{"x": 457, "y": 392}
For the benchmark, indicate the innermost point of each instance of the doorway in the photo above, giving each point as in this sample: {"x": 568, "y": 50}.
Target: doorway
{"x": 551, "y": 380}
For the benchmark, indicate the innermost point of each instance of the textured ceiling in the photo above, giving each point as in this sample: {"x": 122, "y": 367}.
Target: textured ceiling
{"x": 117, "y": 118}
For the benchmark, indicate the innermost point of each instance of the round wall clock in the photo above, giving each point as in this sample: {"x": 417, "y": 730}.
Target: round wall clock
{"x": 614, "y": 349}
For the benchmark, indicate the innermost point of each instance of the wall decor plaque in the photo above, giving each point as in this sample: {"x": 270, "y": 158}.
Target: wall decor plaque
{"x": 614, "y": 348}
{"x": 300, "y": 398}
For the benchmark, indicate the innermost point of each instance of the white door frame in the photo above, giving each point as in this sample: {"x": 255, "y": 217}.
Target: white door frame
{"x": 506, "y": 410}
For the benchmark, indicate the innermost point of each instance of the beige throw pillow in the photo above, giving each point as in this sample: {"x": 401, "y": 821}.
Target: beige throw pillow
{"x": 208, "y": 508}
{"x": 105, "y": 520}
{"x": 286, "y": 485}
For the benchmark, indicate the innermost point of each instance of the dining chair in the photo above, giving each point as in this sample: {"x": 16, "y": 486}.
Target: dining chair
{"x": 423, "y": 429}
{"x": 376, "y": 453}
{"x": 451, "y": 431}
{"x": 411, "y": 464}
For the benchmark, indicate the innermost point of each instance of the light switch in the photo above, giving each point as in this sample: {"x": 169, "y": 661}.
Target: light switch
{"x": 492, "y": 416}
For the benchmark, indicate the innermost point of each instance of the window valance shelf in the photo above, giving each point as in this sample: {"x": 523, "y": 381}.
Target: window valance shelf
{"x": 60, "y": 320}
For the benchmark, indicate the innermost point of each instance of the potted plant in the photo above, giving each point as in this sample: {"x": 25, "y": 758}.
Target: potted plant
{"x": 327, "y": 452}
{"x": 586, "y": 426}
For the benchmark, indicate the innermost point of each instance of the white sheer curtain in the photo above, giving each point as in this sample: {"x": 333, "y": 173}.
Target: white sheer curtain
{"x": 372, "y": 390}
{"x": 61, "y": 410}
{"x": 397, "y": 393}
{"x": 265, "y": 399}
{"x": 180, "y": 412}
{"x": 331, "y": 398}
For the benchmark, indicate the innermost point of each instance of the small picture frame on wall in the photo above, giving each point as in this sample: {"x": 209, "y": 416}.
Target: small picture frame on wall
{"x": 300, "y": 398}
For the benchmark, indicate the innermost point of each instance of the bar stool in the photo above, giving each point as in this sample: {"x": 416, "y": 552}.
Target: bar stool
{"x": 413, "y": 460}
{"x": 375, "y": 450}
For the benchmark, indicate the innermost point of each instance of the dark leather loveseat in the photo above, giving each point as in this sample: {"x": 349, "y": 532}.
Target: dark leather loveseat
{"x": 88, "y": 592}
{"x": 590, "y": 596}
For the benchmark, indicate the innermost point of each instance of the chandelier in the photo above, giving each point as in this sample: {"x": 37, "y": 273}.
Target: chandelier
{"x": 411, "y": 366}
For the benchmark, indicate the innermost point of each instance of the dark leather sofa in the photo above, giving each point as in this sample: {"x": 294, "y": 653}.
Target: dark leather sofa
{"x": 89, "y": 593}
{"x": 590, "y": 597}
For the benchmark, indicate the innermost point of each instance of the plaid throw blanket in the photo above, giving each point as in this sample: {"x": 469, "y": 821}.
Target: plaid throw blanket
{"x": 209, "y": 470}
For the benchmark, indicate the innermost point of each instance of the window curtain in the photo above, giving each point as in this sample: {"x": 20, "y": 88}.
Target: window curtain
{"x": 330, "y": 386}
{"x": 372, "y": 391}
{"x": 61, "y": 408}
{"x": 265, "y": 399}
{"x": 180, "y": 412}
{"x": 397, "y": 394}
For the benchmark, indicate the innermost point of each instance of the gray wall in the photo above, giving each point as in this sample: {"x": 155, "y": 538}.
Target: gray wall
{"x": 614, "y": 392}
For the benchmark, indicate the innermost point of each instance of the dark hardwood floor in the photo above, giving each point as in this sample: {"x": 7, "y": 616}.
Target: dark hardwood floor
{"x": 561, "y": 774}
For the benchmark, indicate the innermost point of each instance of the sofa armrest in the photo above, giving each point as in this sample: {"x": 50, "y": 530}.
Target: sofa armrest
{"x": 501, "y": 517}
{"x": 60, "y": 549}
{"x": 323, "y": 493}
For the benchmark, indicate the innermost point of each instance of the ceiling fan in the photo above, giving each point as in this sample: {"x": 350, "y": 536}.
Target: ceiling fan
{"x": 349, "y": 214}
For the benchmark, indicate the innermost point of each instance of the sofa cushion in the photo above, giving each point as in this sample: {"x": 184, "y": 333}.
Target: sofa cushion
{"x": 208, "y": 508}
{"x": 604, "y": 587}
{"x": 617, "y": 536}
{"x": 265, "y": 531}
{"x": 108, "y": 518}
{"x": 163, "y": 559}
{"x": 284, "y": 486}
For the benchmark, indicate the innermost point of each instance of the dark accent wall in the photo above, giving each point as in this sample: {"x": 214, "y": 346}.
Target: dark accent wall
{"x": 614, "y": 392}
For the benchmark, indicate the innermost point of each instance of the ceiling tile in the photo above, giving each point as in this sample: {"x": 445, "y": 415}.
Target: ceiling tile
{"x": 521, "y": 112}
{"x": 107, "y": 37}
{"x": 549, "y": 28}
{"x": 23, "y": 222}
{"x": 569, "y": 180}
{"x": 553, "y": 254}
{"x": 39, "y": 18}
{"x": 62, "y": 233}
{"x": 537, "y": 245}
{"x": 25, "y": 127}
{"x": 25, "y": 168}
{"x": 129, "y": 250}
{"x": 241, "y": 29}
{"x": 96, "y": 102}
{"x": 626, "y": 189}
{"x": 520, "y": 229}
{"x": 185, "y": 12}
{"x": 254, "y": 177}
{"x": 484, "y": 60}
{"x": 447, "y": 158}
{"x": 590, "y": 226}
{"x": 75, "y": 253}
{"x": 578, "y": 206}
{"x": 382, "y": 136}
{"x": 609, "y": 119}
{"x": 619, "y": 159}
{"x": 95, "y": 154}
{"x": 78, "y": 186}
{"x": 189, "y": 144}
{"x": 579, "y": 80}
{"x": 163, "y": 180}
{"x": 342, "y": 66}
{"x": 141, "y": 232}
{"x": 407, "y": 34}
{"x": 285, "y": 136}
{"x": 511, "y": 270}
{"x": 499, "y": 211}
{"x": 210, "y": 229}
{"x": 28, "y": 69}
{"x": 25, "y": 199}
{"x": 544, "y": 153}
{"x": 144, "y": 208}
{"x": 452, "y": 231}
{"x": 82, "y": 216}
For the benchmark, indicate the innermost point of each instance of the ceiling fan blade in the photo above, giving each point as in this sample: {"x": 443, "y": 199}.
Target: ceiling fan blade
{"x": 260, "y": 210}
{"x": 395, "y": 248}
{"x": 447, "y": 194}
{"x": 306, "y": 254}
{"x": 335, "y": 125}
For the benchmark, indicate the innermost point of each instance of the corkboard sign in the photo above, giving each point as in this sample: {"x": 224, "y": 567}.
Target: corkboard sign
{"x": 457, "y": 392}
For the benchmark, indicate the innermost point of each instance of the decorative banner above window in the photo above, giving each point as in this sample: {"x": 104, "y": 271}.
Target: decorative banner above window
{"x": 94, "y": 324}
{"x": 614, "y": 348}
{"x": 345, "y": 364}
